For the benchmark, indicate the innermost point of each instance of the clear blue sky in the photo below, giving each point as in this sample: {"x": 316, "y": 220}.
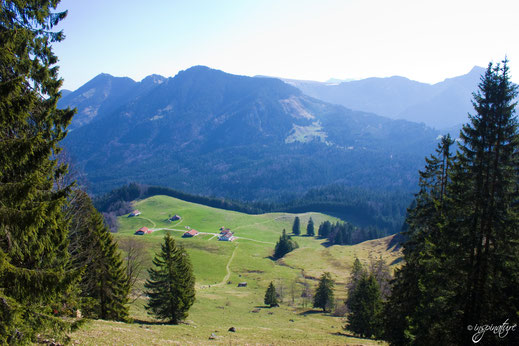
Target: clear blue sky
{"x": 424, "y": 40}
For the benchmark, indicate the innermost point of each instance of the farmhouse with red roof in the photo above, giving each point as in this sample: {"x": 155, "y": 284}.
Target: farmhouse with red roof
{"x": 191, "y": 233}
{"x": 143, "y": 230}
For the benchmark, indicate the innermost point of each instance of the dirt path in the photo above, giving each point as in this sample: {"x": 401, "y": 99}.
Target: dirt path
{"x": 227, "y": 276}
{"x": 227, "y": 267}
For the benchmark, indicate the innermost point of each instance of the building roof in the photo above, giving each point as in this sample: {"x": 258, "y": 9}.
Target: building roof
{"x": 192, "y": 232}
{"x": 145, "y": 230}
{"x": 227, "y": 236}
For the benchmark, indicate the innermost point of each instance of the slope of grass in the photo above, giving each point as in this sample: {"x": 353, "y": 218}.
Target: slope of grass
{"x": 220, "y": 266}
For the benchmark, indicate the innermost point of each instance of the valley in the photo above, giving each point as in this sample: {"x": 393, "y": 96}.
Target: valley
{"x": 219, "y": 266}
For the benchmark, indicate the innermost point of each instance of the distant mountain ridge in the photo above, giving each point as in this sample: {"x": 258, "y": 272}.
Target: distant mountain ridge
{"x": 209, "y": 132}
{"x": 441, "y": 105}
{"x": 103, "y": 94}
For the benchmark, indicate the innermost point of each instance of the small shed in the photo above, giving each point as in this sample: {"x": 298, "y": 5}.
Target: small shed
{"x": 175, "y": 218}
{"x": 191, "y": 233}
{"x": 242, "y": 284}
{"x": 134, "y": 213}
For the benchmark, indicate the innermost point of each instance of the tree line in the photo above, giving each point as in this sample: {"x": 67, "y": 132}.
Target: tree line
{"x": 339, "y": 233}
{"x": 375, "y": 213}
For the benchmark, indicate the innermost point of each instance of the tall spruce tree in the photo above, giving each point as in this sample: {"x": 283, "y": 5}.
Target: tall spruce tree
{"x": 365, "y": 306}
{"x": 271, "y": 298}
{"x": 413, "y": 296}
{"x": 33, "y": 230}
{"x": 310, "y": 228}
{"x": 463, "y": 236}
{"x": 171, "y": 286}
{"x": 104, "y": 284}
{"x": 485, "y": 199}
{"x": 357, "y": 273}
{"x": 296, "y": 227}
{"x": 324, "y": 296}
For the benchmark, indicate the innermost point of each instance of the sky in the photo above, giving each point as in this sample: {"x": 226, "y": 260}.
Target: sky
{"x": 423, "y": 40}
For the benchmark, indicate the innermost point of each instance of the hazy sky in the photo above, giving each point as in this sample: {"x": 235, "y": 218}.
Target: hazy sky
{"x": 426, "y": 41}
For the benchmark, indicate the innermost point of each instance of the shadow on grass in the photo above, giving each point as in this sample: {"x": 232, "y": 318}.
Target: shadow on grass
{"x": 150, "y": 323}
{"x": 326, "y": 244}
{"x": 351, "y": 335}
{"x": 312, "y": 312}
{"x": 262, "y": 307}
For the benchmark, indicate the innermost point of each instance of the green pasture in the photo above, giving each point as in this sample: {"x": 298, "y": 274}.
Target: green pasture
{"x": 220, "y": 304}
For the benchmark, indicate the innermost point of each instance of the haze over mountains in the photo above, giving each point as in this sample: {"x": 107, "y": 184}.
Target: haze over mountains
{"x": 209, "y": 132}
{"x": 441, "y": 105}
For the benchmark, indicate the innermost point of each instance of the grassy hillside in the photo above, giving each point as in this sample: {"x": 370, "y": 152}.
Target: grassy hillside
{"x": 219, "y": 266}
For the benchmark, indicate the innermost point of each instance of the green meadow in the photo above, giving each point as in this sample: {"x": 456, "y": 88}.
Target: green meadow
{"x": 219, "y": 266}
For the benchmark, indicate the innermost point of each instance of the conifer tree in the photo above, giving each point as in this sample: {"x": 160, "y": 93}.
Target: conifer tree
{"x": 485, "y": 192}
{"x": 324, "y": 296}
{"x": 357, "y": 273}
{"x": 171, "y": 286}
{"x": 310, "y": 228}
{"x": 424, "y": 226}
{"x": 324, "y": 229}
{"x": 270, "y": 296}
{"x": 33, "y": 230}
{"x": 296, "y": 227}
{"x": 284, "y": 245}
{"x": 365, "y": 305}
{"x": 104, "y": 285}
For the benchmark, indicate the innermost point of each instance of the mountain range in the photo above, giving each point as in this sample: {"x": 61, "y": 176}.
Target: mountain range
{"x": 442, "y": 105}
{"x": 209, "y": 132}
